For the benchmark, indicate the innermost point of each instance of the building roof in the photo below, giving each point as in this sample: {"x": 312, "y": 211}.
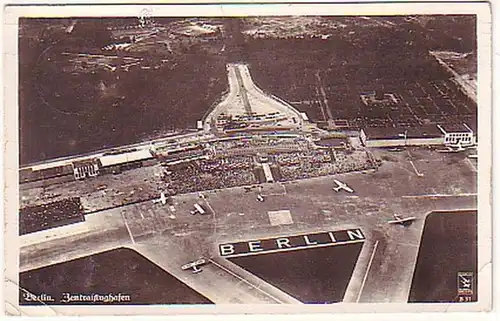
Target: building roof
{"x": 428, "y": 131}
{"x": 332, "y": 142}
{"x": 109, "y": 160}
{"x": 84, "y": 162}
{"x": 456, "y": 127}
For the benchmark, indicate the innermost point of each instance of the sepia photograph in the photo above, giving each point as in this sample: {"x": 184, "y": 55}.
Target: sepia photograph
{"x": 304, "y": 156}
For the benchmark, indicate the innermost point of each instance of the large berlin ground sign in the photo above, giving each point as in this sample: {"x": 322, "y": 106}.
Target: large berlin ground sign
{"x": 289, "y": 243}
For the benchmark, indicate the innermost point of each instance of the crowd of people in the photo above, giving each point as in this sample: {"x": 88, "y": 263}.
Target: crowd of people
{"x": 319, "y": 163}
{"x": 307, "y": 170}
{"x": 298, "y": 142}
{"x": 227, "y": 163}
{"x": 288, "y": 159}
{"x": 50, "y": 215}
{"x": 311, "y": 156}
{"x": 239, "y": 170}
{"x": 211, "y": 174}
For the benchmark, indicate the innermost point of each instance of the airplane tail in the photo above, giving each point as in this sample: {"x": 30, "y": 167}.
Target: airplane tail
{"x": 336, "y": 189}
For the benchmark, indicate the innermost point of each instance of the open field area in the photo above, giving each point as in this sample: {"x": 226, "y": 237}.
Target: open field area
{"x": 81, "y": 91}
{"x": 302, "y": 273}
{"x": 449, "y": 239}
{"x": 76, "y": 97}
{"x": 327, "y": 77}
{"x": 139, "y": 281}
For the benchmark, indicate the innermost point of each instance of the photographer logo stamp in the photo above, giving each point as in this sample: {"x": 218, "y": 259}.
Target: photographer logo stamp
{"x": 465, "y": 286}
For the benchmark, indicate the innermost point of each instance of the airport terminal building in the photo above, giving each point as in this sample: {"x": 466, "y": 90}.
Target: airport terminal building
{"x": 454, "y": 134}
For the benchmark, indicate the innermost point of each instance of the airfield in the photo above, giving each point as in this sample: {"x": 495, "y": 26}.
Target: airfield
{"x": 414, "y": 182}
{"x": 261, "y": 169}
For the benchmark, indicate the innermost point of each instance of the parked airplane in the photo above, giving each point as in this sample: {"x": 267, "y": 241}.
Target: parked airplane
{"x": 403, "y": 221}
{"x": 162, "y": 199}
{"x": 343, "y": 186}
{"x": 194, "y": 265}
{"x": 197, "y": 209}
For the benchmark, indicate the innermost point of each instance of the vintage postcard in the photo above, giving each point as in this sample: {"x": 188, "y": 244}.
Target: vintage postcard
{"x": 247, "y": 158}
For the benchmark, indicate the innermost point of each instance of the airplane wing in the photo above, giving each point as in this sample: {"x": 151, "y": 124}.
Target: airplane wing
{"x": 408, "y": 219}
{"x": 402, "y": 220}
{"x": 194, "y": 264}
{"x": 339, "y": 183}
{"x": 347, "y": 188}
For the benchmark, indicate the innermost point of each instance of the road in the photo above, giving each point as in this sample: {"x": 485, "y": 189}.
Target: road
{"x": 243, "y": 92}
{"x": 324, "y": 106}
{"x": 261, "y": 98}
{"x": 245, "y": 97}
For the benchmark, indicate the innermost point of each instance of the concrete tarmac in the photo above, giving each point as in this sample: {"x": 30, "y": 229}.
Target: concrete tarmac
{"x": 385, "y": 266}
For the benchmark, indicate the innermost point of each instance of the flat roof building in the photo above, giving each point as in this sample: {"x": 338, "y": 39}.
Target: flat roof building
{"x": 267, "y": 172}
{"x": 393, "y": 136}
{"x": 332, "y": 142}
{"x": 110, "y": 160}
{"x": 449, "y": 133}
{"x": 457, "y": 133}
{"x": 83, "y": 169}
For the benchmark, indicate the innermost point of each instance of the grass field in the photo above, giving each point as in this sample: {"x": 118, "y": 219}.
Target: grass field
{"x": 121, "y": 271}
{"x": 316, "y": 275}
{"x": 325, "y": 78}
{"x": 449, "y": 247}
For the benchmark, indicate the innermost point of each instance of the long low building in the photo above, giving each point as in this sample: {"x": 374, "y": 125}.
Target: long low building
{"x": 110, "y": 160}
{"x": 267, "y": 173}
{"x": 417, "y": 136}
{"x": 393, "y": 137}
